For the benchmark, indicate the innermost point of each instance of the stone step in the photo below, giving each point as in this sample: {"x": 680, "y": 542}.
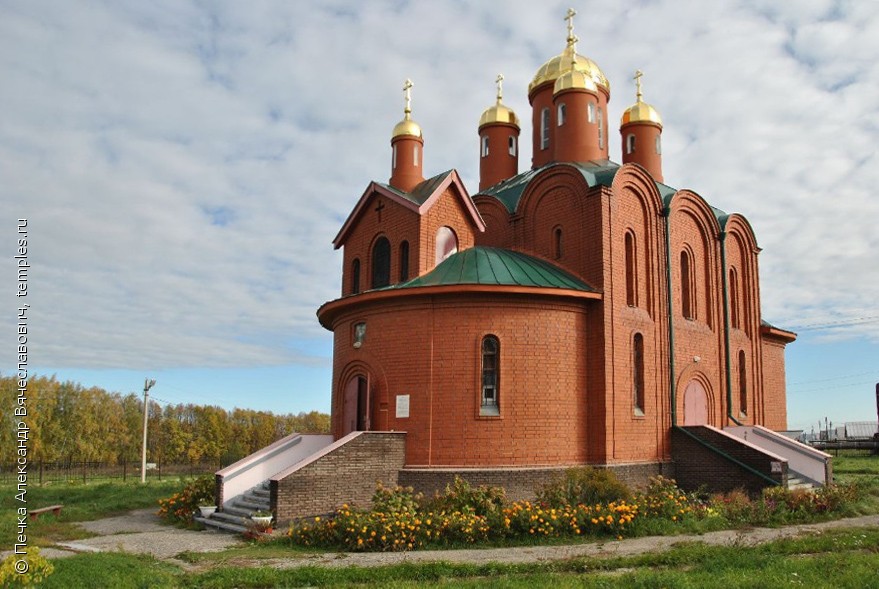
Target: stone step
{"x": 250, "y": 504}
{"x": 231, "y": 518}
{"x": 260, "y": 492}
{"x": 221, "y": 525}
{"x": 238, "y": 511}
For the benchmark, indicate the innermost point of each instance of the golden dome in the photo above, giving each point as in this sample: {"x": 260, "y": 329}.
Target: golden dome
{"x": 561, "y": 64}
{"x": 640, "y": 112}
{"x": 407, "y": 127}
{"x": 574, "y": 78}
{"x": 499, "y": 112}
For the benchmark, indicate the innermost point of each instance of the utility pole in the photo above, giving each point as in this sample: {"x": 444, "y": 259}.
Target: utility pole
{"x": 147, "y": 385}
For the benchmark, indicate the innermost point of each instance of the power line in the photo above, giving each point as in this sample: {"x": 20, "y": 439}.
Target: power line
{"x": 844, "y": 376}
{"x": 840, "y": 323}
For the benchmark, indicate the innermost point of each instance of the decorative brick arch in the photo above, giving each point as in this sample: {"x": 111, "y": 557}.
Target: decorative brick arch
{"x": 498, "y": 232}
{"x": 696, "y": 399}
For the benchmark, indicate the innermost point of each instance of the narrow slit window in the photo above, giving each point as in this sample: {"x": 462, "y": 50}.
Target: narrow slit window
{"x": 490, "y": 376}
{"x": 381, "y": 263}
{"x": 544, "y": 128}
{"x": 600, "y": 129}
{"x": 485, "y": 146}
{"x": 631, "y": 271}
{"x": 743, "y": 383}
{"x": 355, "y": 276}
{"x": 562, "y": 111}
{"x": 404, "y": 261}
{"x": 512, "y": 145}
{"x": 630, "y": 143}
{"x": 687, "y": 295}
{"x": 638, "y": 373}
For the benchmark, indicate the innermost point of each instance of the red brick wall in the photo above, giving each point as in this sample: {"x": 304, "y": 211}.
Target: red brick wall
{"x": 348, "y": 474}
{"x": 774, "y": 384}
{"x": 430, "y": 349}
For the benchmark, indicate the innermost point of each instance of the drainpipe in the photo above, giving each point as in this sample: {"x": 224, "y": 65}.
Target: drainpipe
{"x": 666, "y": 212}
{"x": 724, "y": 282}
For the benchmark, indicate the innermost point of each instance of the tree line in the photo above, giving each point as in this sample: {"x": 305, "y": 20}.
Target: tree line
{"x": 70, "y": 422}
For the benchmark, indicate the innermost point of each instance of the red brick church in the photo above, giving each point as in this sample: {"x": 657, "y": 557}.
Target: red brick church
{"x": 581, "y": 312}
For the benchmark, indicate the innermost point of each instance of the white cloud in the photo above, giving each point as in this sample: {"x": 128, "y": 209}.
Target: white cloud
{"x": 185, "y": 167}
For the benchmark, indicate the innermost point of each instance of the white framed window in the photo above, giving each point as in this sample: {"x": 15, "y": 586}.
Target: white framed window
{"x": 658, "y": 145}
{"x": 512, "y": 145}
{"x": 590, "y": 112}
{"x": 394, "y": 157}
{"x": 600, "y": 129}
{"x": 415, "y": 154}
{"x": 544, "y": 128}
{"x": 485, "y": 146}
{"x": 560, "y": 114}
{"x": 446, "y": 243}
{"x": 630, "y": 143}
{"x": 491, "y": 355}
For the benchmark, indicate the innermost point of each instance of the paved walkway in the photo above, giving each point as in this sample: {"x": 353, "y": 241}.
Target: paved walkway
{"x": 141, "y": 532}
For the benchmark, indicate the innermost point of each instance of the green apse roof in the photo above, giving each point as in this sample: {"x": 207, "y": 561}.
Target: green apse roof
{"x": 499, "y": 267}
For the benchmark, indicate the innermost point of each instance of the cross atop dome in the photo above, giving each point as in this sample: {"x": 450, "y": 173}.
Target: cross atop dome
{"x": 572, "y": 38}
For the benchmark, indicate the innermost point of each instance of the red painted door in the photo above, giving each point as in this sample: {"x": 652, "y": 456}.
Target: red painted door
{"x": 695, "y": 404}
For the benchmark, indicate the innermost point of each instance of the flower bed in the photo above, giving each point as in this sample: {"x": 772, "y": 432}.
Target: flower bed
{"x": 400, "y": 520}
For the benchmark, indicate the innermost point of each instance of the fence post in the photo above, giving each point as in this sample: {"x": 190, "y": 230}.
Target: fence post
{"x": 124, "y": 470}
{"x": 84, "y": 466}
{"x": 41, "y": 472}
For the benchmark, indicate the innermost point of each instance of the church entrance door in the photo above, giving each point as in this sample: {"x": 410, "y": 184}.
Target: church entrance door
{"x": 695, "y": 404}
{"x": 357, "y": 401}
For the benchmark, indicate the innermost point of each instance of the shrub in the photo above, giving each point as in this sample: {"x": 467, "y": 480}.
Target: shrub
{"x": 584, "y": 485}
{"x": 395, "y": 500}
{"x": 462, "y": 496}
{"x": 31, "y": 574}
{"x": 182, "y": 506}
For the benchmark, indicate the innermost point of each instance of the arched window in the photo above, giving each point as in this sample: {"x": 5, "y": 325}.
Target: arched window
{"x": 743, "y": 383}
{"x": 446, "y": 243}
{"x": 557, "y": 242}
{"x": 630, "y": 143}
{"x": 638, "y": 373}
{"x": 394, "y": 157}
{"x": 381, "y": 263}
{"x": 485, "y": 146}
{"x": 512, "y": 145}
{"x": 560, "y": 115}
{"x": 600, "y": 129}
{"x": 688, "y": 297}
{"x": 415, "y": 154}
{"x": 631, "y": 271}
{"x": 491, "y": 351}
{"x": 590, "y": 112}
{"x": 544, "y": 128}
{"x": 355, "y": 276}
{"x": 404, "y": 261}
{"x": 734, "y": 316}
{"x": 658, "y": 145}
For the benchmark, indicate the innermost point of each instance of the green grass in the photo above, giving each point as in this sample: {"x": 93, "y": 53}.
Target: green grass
{"x": 838, "y": 558}
{"x": 82, "y": 502}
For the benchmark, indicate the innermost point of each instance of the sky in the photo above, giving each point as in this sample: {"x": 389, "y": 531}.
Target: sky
{"x": 184, "y": 166}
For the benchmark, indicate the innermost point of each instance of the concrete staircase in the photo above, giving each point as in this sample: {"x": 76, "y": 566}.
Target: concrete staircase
{"x": 796, "y": 481}
{"x": 235, "y": 516}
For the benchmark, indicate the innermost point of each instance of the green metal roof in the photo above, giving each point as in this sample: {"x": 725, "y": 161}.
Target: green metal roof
{"x": 422, "y": 191}
{"x": 498, "y": 267}
{"x": 595, "y": 172}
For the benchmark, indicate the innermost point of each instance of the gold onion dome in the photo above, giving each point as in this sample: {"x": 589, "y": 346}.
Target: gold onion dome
{"x": 574, "y": 78}
{"x": 640, "y": 112}
{"x": 499, "y": 112}
{"x": 407, "y": 126}
{"x": 567, "y": 61}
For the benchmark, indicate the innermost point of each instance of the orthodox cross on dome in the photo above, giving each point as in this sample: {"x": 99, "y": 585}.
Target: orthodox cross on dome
{"x": 637, "y": 78}
{"x": 407, "y": 87}
{"x": 570, "y": 18}
{"x": 500, "y": 87}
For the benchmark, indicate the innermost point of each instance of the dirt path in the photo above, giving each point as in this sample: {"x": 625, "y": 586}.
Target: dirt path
{"x": 141, "y": 532}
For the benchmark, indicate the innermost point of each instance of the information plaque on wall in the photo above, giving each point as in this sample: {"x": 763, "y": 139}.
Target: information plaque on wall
{"x": 402, "y": 406}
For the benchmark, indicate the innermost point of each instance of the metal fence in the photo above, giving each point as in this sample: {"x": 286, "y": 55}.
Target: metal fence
{"x": 71, "y": 471}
